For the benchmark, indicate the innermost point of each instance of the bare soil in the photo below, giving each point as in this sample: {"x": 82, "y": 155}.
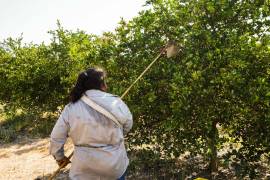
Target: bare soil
{"x": 27, "y": 159}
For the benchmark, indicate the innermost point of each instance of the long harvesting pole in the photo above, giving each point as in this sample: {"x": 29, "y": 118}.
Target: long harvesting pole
{"x": 139, "y": 77}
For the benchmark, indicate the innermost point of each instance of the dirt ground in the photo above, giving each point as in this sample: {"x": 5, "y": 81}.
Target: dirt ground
{"x": 28, "y": 159}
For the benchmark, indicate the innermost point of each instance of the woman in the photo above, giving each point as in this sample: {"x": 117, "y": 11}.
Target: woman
{"x": 99, "y": 142}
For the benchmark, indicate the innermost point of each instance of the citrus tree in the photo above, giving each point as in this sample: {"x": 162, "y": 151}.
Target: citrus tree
{"x": 221, "y": 79}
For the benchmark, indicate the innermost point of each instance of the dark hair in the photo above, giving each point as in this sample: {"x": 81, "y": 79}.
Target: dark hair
{"x": 93, "y": 78}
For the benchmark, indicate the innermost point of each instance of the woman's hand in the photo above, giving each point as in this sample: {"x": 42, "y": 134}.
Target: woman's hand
{"x": 63, "y": 162}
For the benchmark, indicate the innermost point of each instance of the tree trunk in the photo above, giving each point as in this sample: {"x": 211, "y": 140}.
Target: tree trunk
{"x": 213, "y": 166}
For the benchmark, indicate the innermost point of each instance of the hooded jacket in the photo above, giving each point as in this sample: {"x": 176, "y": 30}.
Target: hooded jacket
{"x": 99, "y": 143}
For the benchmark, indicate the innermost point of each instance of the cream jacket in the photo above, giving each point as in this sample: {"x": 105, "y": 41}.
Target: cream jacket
{"x": 99, "y": 143}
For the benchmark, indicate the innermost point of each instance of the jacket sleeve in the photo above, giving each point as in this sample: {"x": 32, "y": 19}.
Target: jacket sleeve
{"x": 59, "y": 135}
{"x": 127, "y": 125}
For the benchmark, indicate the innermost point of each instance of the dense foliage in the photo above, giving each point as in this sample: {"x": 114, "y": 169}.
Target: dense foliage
{"x": 216, "y": 91}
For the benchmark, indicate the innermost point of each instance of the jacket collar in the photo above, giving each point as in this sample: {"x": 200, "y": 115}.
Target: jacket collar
{"x": 96, "y": 93}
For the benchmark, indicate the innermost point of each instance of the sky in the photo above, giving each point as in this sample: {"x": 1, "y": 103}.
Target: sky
{"x": 34, "y": 18}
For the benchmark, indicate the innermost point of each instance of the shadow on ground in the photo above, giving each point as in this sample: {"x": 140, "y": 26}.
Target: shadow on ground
{"x": 63, "y": 175}
{"x": 21, "y": 145}
{"x": 145, "y": 166}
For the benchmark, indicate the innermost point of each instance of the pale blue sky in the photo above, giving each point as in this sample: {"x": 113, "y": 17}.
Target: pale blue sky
{"x": 34, "y": 18}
